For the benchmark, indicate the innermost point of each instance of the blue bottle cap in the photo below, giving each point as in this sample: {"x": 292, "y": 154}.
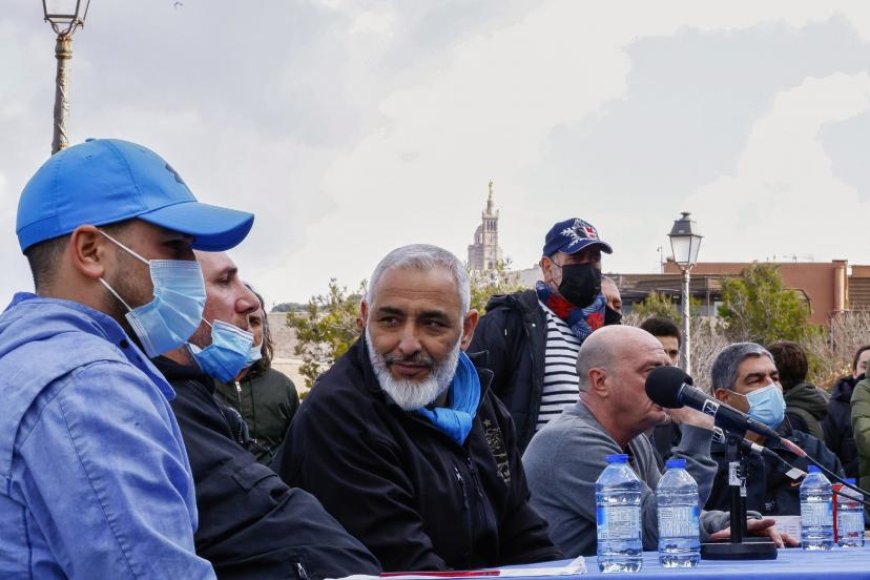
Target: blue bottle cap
{"x": 675, "y": 464}
{"x": 618, "y": 458}
{"x": 813, "y": 469}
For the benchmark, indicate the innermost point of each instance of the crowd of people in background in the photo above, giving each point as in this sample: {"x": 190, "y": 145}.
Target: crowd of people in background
{"x": 145, "y": 433}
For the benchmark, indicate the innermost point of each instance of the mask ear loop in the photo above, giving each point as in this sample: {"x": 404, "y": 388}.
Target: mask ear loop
{"x": 116, "y": 295}
{"x": 119, "y": 244}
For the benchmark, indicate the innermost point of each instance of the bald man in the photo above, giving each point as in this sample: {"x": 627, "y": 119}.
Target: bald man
{"x": 565, "y": 458}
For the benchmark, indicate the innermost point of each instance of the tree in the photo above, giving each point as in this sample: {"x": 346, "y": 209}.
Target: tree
{"x": 485, "y": 285}
{"x": 326, "y": 328}
{"x": 656, "y": 304}
{"x": 757, "y": 307}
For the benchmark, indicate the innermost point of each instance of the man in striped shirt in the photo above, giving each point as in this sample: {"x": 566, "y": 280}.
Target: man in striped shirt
{"x": 533, "y": 336}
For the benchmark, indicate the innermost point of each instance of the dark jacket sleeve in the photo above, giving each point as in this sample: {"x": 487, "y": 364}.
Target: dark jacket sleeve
{"x": 491, "y": 336}
{"x": 251, "y": 525}
{"x": 357, "y": 476}
{"x": 523, "y": 533}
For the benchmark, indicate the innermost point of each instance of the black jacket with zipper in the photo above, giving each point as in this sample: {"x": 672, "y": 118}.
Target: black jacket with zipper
{"x": 267, "y": 400}
{"x": 251, "y": 525}
{"x": 412, "y": 495}
{"x": 514, "y": 333}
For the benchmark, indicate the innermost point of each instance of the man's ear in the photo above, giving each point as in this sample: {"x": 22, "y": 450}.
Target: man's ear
{"x": 546, "y": 265}
{"x": 89, "y": 252}
{"x": 598, "y": 382}
{"x": 469, "y": 323}
{"x": 721, "y": 394}
{"x": 362, "y": 316}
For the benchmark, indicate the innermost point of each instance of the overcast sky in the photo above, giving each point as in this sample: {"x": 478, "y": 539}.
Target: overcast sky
{"x": 353, "y": 127}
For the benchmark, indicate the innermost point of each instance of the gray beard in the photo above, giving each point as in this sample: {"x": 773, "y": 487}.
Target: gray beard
{"x": 411, "y": 395}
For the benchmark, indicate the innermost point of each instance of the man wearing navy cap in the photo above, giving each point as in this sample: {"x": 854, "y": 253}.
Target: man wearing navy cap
{"x": 96, "y": 478}
{"x": 533, "y": 336}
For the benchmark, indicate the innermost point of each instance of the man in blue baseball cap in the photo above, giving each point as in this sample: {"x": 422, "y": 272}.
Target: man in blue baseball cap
{"x": 533, "y": 336}
{"x": 97, "y": 480}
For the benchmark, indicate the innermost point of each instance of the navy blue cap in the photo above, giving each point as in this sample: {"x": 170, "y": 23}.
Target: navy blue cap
{"x": 571, "y": 236}
{"x": 105, "y": 181}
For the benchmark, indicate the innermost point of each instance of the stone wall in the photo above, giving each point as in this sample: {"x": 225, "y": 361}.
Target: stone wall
{"x": 285, "y": 359}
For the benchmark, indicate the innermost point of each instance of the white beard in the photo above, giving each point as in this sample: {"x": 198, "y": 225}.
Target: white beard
{"x": 411, "y": 395}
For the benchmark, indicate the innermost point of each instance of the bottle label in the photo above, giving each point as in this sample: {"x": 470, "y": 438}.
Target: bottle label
{"x": 618, "y": 523}
{"x": 816, "y": 514}
{"x": 678, "y": 521}
{"x": 850, "y": 523}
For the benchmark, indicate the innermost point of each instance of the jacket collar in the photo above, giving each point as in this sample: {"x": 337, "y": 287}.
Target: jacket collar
{"x": 175, "y": 372}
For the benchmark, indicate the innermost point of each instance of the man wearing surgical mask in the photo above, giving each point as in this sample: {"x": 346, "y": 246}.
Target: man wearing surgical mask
{"x": 744, "y": 376}
{"x": 265, "y": 397}
{"x": 533, "y": 336}
{"x": 96, "y": 477}
{"x": 251, "y": 525}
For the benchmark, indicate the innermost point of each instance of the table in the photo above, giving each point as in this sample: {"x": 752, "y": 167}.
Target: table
{"x": 791, "y": 564}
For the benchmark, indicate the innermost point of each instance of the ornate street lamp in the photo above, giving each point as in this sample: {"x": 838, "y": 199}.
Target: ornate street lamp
{"x": 685, "y": 243}
{"x": 65, "y": 16}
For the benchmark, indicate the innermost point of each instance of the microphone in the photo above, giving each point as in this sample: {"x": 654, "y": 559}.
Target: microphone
{"x": 671, "y": 388}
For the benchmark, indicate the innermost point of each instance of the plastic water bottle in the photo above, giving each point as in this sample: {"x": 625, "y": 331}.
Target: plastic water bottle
{"x": 679, "y": 514}
{"x": 617, "y": 501}
{"x": 817, "y": 520}
{"x": 850, "y": 517}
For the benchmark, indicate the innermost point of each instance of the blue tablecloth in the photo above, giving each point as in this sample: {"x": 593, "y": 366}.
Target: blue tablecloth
{"x": 791, "y": 564}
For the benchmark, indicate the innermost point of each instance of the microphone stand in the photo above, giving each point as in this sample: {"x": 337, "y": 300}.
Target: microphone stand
{"x": 740, "y": 547}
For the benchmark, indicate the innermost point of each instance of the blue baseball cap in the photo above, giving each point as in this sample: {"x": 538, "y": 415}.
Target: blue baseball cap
{"x": 571, "y": 236}
{"x": 105, "y": 181}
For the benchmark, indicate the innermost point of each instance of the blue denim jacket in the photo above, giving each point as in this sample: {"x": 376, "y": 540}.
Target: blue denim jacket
{"x": 94, "y": 477}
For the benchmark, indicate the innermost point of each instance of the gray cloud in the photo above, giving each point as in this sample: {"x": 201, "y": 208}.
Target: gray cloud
{"x": 688, "y": 110}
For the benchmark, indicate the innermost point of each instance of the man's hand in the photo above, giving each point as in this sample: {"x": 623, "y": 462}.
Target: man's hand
{"x": 763, "y": 527}
{"x": 689, "y": 416}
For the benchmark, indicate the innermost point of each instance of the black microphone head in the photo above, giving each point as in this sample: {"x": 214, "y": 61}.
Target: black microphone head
{"x": 663, "y": 386}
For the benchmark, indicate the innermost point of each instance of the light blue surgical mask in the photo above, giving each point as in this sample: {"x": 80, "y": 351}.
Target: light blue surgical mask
{"x": 255, "y": 354}
{"x": 165, "y": 323}
{"x": 228, "y": 352}
{"x": 767, "y": 405}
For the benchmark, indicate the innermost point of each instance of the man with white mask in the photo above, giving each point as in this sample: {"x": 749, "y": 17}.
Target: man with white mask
{"x": 96, "y": 478}
{"x": 402, "y": 441}
{"x": 251, "y": 525}
{"x": 744, "y": 376}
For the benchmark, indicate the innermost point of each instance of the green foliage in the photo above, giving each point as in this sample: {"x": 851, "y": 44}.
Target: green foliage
{"x": 326, "y": 329}
{"x": 485, "y": 285}
{"x": 659, "y": 305}
{"x": 757, "y": 307}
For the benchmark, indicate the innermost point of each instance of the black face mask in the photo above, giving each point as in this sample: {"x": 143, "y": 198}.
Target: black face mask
{"x": 612, "y": 316}
{"x": 581, "y": 284}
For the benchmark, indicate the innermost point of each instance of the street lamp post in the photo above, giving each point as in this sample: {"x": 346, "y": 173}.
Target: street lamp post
{"x": 65, "y": 16}
{"x": 685, "y": 243}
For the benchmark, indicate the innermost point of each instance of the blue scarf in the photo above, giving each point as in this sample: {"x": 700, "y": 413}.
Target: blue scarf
{"x": 582, "y": 321}
{"x": 456, "y": 420}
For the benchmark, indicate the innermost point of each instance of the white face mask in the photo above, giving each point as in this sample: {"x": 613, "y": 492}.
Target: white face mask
{"x": 173, "y": 315}
{"x": 255, "y": 354}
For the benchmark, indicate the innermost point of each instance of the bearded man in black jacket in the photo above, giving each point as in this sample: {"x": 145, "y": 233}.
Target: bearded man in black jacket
{"x": 403, "y": 441}
{"x": 251, "y": 525}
